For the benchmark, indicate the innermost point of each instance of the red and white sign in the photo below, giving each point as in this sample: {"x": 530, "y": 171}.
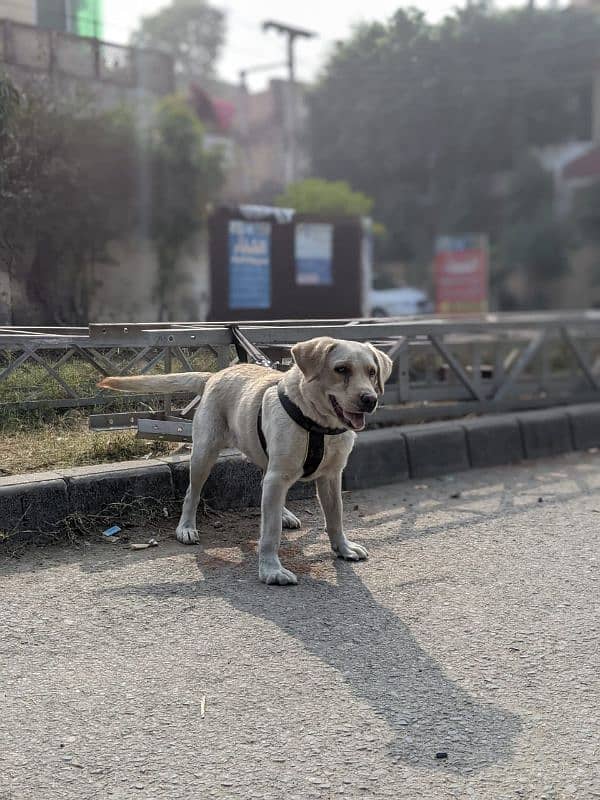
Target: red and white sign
{"x": 461, "y": 274}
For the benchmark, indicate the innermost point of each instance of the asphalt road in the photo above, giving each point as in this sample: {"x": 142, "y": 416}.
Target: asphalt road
{"x": 472, "y": 631}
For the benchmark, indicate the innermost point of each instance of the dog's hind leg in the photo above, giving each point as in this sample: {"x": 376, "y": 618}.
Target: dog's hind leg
{"x": 208, "y": 441}
{"x": 290, "y": 520}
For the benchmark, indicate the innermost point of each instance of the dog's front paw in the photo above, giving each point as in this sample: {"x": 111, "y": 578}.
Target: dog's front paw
{"x": 274, "y": 573}
{"x": 187, "y": 535}
{"x": 350, "y": 551}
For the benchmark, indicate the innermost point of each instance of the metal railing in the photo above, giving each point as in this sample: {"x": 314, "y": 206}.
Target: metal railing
{"x": 57, "y": 53}
{"x": 442, "y": 367}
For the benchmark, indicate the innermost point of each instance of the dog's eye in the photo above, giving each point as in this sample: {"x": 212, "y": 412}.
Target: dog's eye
{"x": 342, "y": 370}
{"x": 371, "y": 373}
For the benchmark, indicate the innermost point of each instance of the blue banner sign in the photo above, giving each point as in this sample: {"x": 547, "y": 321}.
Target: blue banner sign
{"x": 314, "y": 254}
{"x": 249, "y": 264}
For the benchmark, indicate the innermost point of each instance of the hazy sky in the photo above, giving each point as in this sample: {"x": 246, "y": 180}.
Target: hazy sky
{"x": 247, "y": 45}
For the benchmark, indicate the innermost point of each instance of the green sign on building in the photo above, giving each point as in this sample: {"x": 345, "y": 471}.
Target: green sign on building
{"x": 88, "y": 17}
{"x": 83, "y": 17}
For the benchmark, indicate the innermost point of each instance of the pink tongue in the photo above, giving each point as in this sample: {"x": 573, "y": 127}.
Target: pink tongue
{"x": 357, "y": 420}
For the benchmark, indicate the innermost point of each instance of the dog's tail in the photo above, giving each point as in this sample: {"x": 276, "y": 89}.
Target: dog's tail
{"x": 192, "y": 382}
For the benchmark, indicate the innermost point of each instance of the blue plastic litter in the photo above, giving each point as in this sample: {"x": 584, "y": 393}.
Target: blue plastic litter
{"x": 111, "y": 531}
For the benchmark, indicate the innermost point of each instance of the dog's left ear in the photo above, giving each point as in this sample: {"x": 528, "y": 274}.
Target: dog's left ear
{"x": 310, "y": 356}
{"x": 384, "y": 367}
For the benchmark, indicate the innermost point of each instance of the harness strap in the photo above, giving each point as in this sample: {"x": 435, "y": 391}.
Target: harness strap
{"x": 259, "y": 430}
{"x": 316, "y": 433}
{"x": 301, "y": 419}
{"x": 314, "y": 453}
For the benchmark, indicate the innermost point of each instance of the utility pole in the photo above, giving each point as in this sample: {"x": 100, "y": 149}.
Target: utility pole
{"x": 292, "y": 34}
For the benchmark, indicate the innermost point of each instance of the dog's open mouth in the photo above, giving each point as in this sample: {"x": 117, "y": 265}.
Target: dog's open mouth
{"x": 356, "y": 422}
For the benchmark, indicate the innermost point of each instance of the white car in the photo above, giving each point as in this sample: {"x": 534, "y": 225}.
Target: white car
{"x": 400, "y": 302}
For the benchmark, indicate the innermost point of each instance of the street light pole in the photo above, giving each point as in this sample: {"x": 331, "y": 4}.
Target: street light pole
{"x": 292, "y": 34}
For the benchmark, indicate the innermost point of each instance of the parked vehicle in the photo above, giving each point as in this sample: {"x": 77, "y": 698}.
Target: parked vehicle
{"x": 399, "y": 302}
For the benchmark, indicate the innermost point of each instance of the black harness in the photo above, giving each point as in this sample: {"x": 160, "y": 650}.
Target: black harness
{"x": 316, "y": 433}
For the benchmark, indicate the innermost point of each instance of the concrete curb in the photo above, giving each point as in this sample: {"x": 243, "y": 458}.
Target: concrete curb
{"x": 42, "y": 502}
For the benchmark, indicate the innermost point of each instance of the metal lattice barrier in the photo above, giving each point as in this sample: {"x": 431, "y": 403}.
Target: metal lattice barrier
{"x": 442, "y": 367}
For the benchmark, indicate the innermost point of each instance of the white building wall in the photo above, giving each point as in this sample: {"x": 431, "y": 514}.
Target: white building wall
{"x": 125, "y": 287}
{"x": 21, "y": 11}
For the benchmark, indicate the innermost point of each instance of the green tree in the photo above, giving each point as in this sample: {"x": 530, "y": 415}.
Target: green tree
{"x": 71, "y": 182}
{"x": 192, "y": 31}
{"x": 585, "y": 213}
{"x": 425, "y": 118}
{"x": 9, "y": 100}
{"x": 317, "y": 196}
{"x": 185, "y": 178}
{"x": 67, "y": 188}
{"x": 531, "y": 241}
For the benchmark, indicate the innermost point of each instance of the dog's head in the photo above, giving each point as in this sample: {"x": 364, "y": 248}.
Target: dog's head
{"x": 342, "y": 379}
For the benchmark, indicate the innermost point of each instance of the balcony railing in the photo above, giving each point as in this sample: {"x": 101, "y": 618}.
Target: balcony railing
{"x": 57, "y": 53}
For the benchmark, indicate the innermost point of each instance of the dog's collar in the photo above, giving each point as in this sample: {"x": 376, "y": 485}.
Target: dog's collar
{"x": 293, "y": 411}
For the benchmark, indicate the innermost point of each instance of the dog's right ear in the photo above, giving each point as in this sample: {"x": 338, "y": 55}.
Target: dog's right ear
{"x": 384, "y": 367}
{"x": 310, "y": 356}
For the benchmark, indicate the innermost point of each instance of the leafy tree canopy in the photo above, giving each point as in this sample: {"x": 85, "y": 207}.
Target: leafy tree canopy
{"x": 193, "y": 31}
{"x": 185, "y": 178}
{"x": 317, "y": 196}
{"x": 9, "y": 100}
{"x": 431, "y": 120}
{"x": 75, "y": 179}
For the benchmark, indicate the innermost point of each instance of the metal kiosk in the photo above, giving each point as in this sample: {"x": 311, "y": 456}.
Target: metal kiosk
{"x": 271, "y": 263}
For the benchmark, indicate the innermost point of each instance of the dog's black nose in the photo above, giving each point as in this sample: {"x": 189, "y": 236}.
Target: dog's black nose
{"x": 368, "y": 401}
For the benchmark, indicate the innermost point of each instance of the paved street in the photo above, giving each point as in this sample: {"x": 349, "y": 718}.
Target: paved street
{"x": 472, "y": 631}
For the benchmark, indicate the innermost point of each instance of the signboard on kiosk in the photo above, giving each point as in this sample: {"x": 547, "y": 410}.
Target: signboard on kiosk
{"x": 313, "y": 251}
{"x": 461, "y": 274}
{"x": 249, "y": 264}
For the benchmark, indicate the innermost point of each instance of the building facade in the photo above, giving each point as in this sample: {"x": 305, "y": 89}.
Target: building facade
{"x": 25, "y": 11}
{"x": 262, "y": 158}
{"x": 82, "y": 17}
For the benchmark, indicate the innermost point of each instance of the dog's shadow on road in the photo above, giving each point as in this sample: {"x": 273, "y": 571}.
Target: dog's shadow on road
{"x": 343, "y": 625}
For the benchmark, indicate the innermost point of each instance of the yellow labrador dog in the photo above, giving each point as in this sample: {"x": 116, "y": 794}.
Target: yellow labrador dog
{"x": 298, "y": 425}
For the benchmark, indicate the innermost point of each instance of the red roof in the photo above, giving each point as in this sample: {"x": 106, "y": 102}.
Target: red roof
{"x": 585, "y": 166}
{"x": 212, "y": 110}
{"x": 225, "y": 113}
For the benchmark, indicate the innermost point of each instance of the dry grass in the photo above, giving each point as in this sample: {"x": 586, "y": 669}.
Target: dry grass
{"x": 30, "y": 381}
{"x": 37, "y": 440}
{"x": 34, "y": 441}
